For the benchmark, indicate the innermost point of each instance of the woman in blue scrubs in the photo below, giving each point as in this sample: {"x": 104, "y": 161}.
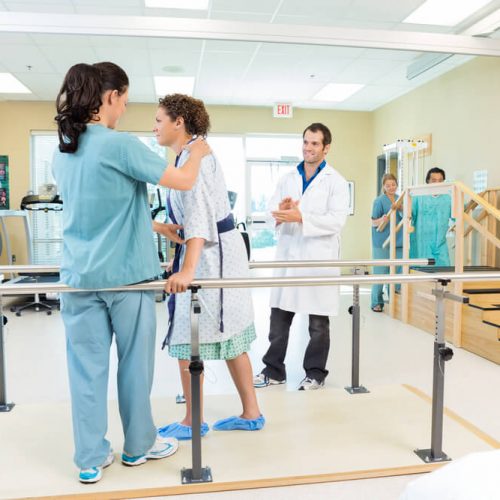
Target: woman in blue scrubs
{"x": 381, "y": 207}
{"x": 108, "y": 242}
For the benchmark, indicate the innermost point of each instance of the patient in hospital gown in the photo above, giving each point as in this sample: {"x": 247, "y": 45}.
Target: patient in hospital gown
{"x": 431, "y": 217}
{"x": 213, "y": 248}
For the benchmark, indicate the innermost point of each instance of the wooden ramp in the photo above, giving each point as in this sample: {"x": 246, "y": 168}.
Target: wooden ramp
{"x": 321, "y": 436}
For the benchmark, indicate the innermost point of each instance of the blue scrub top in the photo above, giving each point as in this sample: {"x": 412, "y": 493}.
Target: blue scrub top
{"x": 381, "y": 206}
{"x": 302, "y": 172}
{"x": 107, "y": 228}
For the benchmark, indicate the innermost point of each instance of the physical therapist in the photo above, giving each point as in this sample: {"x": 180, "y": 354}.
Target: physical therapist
{"x": 108, "y": 242}
{"x": 310, "y": 207}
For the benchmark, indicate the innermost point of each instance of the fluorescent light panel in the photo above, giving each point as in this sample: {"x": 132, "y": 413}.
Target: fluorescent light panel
{"x": 337, "y": 92}
{"x": 177, "y": 4}
{"x": 9, "y": 84}
{"x": 174, "y": 85}
{"x": 444, "y": 12}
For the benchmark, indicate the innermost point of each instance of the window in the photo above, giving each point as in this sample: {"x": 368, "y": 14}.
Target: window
{"x": 231, "y": 155}
{"x": 47, "y": 226}
{"x": 269, "y": 157}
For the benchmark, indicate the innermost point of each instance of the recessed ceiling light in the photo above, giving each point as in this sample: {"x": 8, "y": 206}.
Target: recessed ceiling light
{"x": 173, "y": 69}
{"x": 177, "y": 4}
{"x": 337, "y": 92}
{"x": 9, "y": 84}
{"x": 174, "y": 85}
{"x": 444, "y": 12}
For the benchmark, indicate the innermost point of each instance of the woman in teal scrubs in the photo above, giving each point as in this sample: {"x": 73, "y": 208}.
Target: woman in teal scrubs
{"x": 108, "y": 242}
{"x": 381, "y": 207}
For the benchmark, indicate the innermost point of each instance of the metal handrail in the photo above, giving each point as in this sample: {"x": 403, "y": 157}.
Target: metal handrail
{"x": 20, "y": 289}
{"x": 42, "y": 269}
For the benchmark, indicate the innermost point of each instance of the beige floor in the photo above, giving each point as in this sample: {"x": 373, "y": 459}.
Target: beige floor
{"x": 318, "y": 434}
{"x": 392, "y": 354}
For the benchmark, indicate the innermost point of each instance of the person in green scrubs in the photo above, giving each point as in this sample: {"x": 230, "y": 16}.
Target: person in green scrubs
{"x": 431, "y": 216}
{"x": 108, "y": 242}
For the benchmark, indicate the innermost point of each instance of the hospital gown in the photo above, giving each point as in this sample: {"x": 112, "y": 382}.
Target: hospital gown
{"x": 430, "y": 218}
{"x": 198, "y": 211}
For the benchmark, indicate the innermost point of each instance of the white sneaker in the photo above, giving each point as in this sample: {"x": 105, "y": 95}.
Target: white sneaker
{"x": 162, "y": 448}
{"x": 94, "y": 474}
{"x": 262, "y": 380}
{"x": 310, "y": 384}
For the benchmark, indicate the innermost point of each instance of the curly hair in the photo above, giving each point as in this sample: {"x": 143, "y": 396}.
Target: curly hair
{"x": 193, "y": 111}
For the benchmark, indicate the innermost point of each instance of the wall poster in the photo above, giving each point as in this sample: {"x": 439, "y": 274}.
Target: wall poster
{"x": 4, "y": 183}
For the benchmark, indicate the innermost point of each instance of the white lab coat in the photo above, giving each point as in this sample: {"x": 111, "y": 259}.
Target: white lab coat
{"x": 324, "y": 207}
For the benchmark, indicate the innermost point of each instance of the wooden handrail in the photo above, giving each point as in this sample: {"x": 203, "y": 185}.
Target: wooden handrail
{"x": 388, "y": 239}
{"x": 397, "y": 206}
{"x": 476, "y": 199}
{"x": 484, "y": 232}
{"x": 480, "y": 201}
{"x": 482, "y": 216}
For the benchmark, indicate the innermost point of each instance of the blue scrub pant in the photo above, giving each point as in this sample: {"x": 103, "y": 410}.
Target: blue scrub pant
{"x": 378, "y": 289}
{"x": 90, "y": 319}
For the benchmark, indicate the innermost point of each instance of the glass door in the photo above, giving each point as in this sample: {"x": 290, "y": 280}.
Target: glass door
{"x": 263, "y": 179}
{"x": 268, "y": 158}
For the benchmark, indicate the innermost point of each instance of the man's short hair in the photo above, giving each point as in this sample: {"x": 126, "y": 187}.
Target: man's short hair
{"x": 435, "y": 170}
{"x": 319, "y": 127}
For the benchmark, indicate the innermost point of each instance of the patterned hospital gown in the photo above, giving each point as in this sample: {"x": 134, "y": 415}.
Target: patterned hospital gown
{"x": 198, "y": 211}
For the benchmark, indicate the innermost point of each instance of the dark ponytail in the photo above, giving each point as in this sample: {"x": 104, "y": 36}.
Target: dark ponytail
{"x": 80, "y": 98}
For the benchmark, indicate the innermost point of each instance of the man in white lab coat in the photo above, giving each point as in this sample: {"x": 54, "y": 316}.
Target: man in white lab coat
{"x": 310, "y": 207}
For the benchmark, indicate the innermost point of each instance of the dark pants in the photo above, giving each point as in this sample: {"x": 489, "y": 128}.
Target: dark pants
{"x": 316, "y": 353}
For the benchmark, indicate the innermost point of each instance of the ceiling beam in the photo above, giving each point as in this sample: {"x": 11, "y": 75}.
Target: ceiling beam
{"x": 205, "y": 29}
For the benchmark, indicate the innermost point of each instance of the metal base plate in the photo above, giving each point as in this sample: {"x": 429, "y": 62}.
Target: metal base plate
{"x": 7, "y": 407}
{"x": 356, "y": 390}
{"x": 428, "y": 458}
{"x": 187, "y": 476}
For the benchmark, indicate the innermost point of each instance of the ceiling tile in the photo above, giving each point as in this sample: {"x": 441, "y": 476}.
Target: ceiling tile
{"x": 53, "y": 6}
{"x": 364, "y": 71}
{"x": 58, "y": 40}
{"x": 255, "y": 6}
{"x": 231, "y": 47}
{"x": 386, "y": 11}
{"x": 110, "y": 3}
{"x": 18, "y": 57}
{"x": 187, "y": 62}
{"x": 331, "y": 9}
{"x": 45, "y": 86}
{"x": 65, "y": 56}
{"x": 175, "y": 45}
{"x": 247, "y": 17}
{"x": 105, "y": 10}
{"x": 15, "y": 39}
{"x": 133, "y": 61}
{"x": 104, "y": 42}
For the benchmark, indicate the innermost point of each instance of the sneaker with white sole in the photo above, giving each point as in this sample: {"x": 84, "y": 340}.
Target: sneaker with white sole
{"x": 262, "y": 380}
{"x": 163, "y": 447}
{"x": 94, "y": 474}
{"x": 310, "y": 384}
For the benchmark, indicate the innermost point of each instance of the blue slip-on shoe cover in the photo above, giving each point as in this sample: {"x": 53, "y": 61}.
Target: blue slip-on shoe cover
{"x": 239, "y": 424}
{"x": 181, "y": 432}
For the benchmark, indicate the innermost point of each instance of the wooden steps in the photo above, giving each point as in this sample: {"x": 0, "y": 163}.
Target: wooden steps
{"x": 480, "y": 318}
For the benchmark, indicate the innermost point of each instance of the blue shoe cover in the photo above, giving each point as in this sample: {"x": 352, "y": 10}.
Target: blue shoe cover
{"x": 239, "y": 424}
{"x": 181, "y": 432}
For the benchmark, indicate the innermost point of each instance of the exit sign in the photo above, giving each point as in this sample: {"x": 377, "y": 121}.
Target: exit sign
{"x": 283, "y": 110}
